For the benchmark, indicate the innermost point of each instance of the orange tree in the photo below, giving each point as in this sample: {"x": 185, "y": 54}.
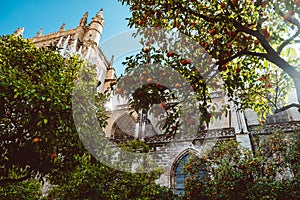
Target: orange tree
{"x": 235, "y": 173}
{"x": 38, "y": 137}
{"x": 37, "y": 132}
{"x": 36, "y": 127}
{"x": 247, "y": 42}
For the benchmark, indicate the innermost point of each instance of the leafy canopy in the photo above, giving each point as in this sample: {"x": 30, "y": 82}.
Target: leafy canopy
{"x": 36, "y": 130}
{"x": 244, "y": 45}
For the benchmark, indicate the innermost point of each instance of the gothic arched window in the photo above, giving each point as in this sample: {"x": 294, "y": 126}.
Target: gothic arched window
{"x": 180, "y": 174}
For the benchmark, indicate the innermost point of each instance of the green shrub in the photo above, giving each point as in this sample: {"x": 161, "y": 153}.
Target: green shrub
{"x": 26, "y": 190}
{"x": 235, "y": 173}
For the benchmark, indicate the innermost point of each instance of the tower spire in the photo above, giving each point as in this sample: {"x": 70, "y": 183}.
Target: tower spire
{"x": 100, "y": 14}
{"x": 111, "y": 61}
{"x": 99, "y": 17}
{"x": 84, "y": 19}
{"x": 94, "y": 29}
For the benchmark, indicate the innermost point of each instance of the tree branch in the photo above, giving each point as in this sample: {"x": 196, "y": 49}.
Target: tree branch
{"x": 223, "y": 62}
{"x": 240, "y": 53}
{"x": 270, "y": 55}
{"x": 251, "y": 53}
{"x": 286, "y": 42}
{"x": 287, "y": 107}
{"x": 273, "y": 56}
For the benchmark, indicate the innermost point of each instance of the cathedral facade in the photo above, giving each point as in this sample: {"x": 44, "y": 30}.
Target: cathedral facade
{"x": 169, "y": 150}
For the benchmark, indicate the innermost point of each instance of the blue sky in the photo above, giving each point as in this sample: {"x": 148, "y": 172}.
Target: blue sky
{"x": 49, "y": 15}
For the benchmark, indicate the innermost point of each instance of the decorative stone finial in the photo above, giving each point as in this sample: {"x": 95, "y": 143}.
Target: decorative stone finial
{"x": 39, "y": 33}
{"x": 100, "y": 14}
{"x": 111, "y": 61}
{"x": 62, "y": 28}
{"x": 84, "y": 19}
{"x": 19, "y": 31}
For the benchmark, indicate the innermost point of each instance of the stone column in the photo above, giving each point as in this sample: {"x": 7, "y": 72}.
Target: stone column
{"x": 240, "y": 126}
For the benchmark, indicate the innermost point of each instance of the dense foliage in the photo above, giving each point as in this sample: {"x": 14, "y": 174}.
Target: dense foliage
{"x": 27, "y": 190}
{"x": 273, "y": 172}
{"x": 39, "y": 140}
{"x": 240, "y": 47}
{"x": 37, "y": 132}
{"x": 92, "y": 180}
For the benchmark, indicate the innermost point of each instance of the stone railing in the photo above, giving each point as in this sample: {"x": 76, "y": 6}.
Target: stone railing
{"x": 163, "y": 138}
{"x": 216, "y": 133}
{"x": 206, "y": 134}
{"x": 287, "y": 127}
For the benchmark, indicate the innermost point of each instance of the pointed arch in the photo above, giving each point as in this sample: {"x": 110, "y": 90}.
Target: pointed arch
{"x": 123, "y": 127}
{"x": 177, "y": 175}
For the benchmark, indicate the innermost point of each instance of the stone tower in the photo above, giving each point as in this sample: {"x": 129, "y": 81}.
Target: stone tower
{"x": 94, "y": 29}
{"x": 83, "y": 41}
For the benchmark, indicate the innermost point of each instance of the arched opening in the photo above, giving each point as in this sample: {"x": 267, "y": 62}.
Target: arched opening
{"x": 123, "y": 128}
{"x": 178, "y": 172}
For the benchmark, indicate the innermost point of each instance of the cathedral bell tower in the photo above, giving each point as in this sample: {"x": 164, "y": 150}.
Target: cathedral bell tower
{"x": 94, "y": 29}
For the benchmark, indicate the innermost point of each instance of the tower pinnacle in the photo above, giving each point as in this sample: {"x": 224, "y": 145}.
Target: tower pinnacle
{"x": 84, "y": 19}
{"x": 19, "y": 31}
{"x": 62, "y": 28}
{"x": 95, "y": 28}
{"x": 39, "y": 33}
